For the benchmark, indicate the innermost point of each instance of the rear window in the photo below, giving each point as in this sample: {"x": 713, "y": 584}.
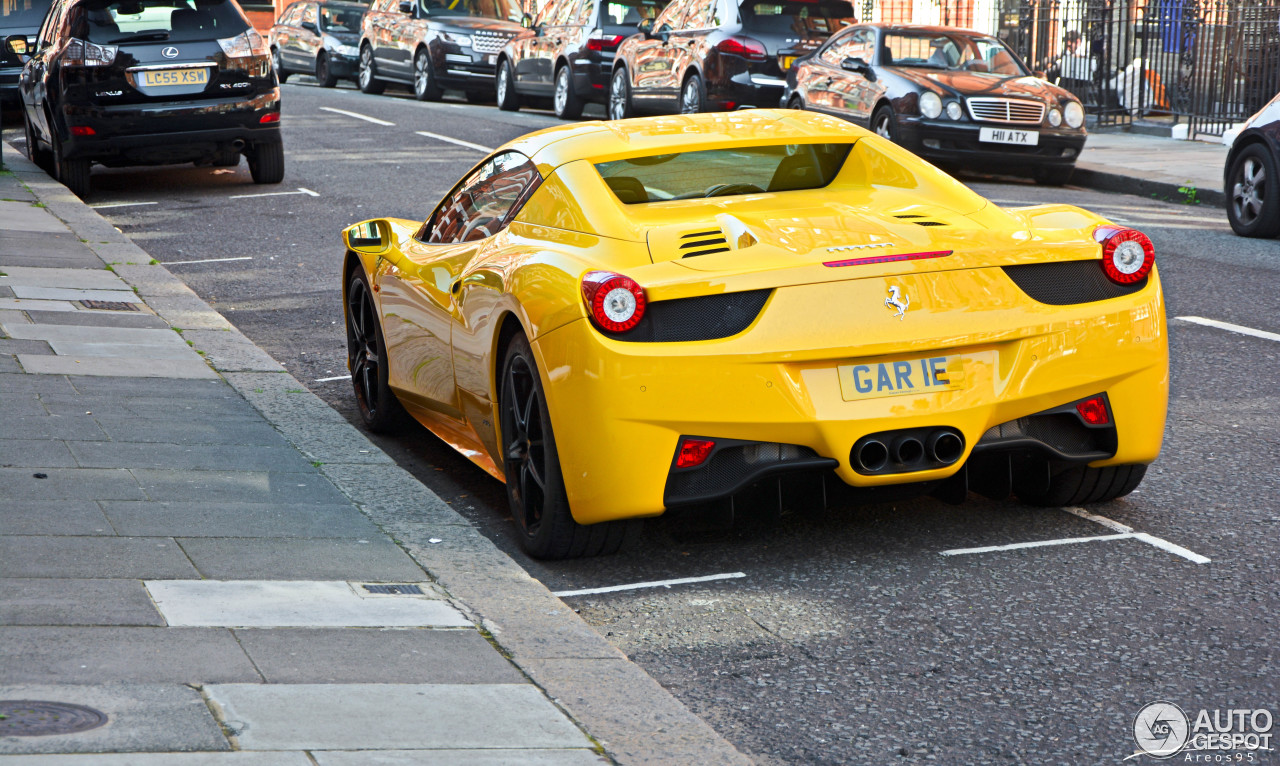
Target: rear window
{"x": 723, "y": 172}
{"x": 23, "y": 14}
{"x": 126, "y": 21}
{"x": 807, "y": 19}
{"x": 628, "y": 13}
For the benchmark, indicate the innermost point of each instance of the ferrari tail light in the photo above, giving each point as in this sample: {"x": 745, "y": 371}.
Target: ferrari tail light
{"x": 599, "y": 41}
{"x": 84, "y": 53}
{"x": 1127, "y": 254}
{"x": 746, "y": 47}
{"x": 614, "y": 302}
{"x": 694, "y": 452}
{"x": 1094, "y": 410}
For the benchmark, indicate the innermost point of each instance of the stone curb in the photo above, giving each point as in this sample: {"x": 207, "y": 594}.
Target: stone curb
{"x": 617, "y": 703}
{"x": 1096, "y": 177}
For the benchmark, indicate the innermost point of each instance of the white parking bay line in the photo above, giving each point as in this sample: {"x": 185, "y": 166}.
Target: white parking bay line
{"x": 1231, "y": 327}
{"x": 467, "y": 144}
{"x": 653, "y": 584}
{"x": 300, "y": 190}
{"x": 335, "y": 377}
{"x": 1162, "y": 544}
{"x": 1096, "y": 519}
{"x": 207, "y": 260}
{"x": 357, "y": 115}
{"x": 1037, "y": 544}
{"x": 122, "y": 204}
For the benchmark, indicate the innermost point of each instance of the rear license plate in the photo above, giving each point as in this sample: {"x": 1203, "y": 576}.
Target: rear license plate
{"x": 1007, "y": 136}
{"x": 899, "y": 378}
{"x": 160, "y": 77}
{"x": 787, "y": 61}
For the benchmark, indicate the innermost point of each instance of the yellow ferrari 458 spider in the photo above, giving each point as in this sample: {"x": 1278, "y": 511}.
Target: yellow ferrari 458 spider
{"x": 618, "y": 318}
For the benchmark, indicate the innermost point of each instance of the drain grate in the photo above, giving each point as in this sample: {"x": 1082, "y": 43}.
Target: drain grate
{"x": 395, "y": 590}
{"x": 109, "y": 305}
{"x": 34, "y": 718}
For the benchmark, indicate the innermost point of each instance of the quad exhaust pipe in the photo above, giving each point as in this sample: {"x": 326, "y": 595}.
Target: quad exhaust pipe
{"x": 909, "y": 449}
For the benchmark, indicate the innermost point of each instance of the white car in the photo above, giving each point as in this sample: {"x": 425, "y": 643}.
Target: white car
{"x": 1251, "y": 178}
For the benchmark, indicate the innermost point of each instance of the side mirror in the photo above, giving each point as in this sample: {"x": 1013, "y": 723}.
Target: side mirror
{"x": 858, "y": 65}
{"x": 310, "y": 25}
{"x": 664, "y": 32}
{"x": 369, "y": 237}
{"x": 526, "y": 21}
{"x": 646, "y": 26}
{"x": 406, "y": 6}
{"x": 16, "y": 44}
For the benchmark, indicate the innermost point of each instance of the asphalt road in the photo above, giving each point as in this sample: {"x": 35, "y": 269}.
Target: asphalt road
{"x": 850, "y": 639}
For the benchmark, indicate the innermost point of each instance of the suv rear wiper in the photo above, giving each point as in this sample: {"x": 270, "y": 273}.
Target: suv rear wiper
{"x": 142, "y": 36}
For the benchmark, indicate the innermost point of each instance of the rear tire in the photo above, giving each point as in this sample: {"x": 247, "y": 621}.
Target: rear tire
{"x": 278, "y": 64}
{"x": 620, "y": 107}
{"x": 43, "y": 158}
{"x": 266, "y": 163}
{"x": 1253, "y": 193}
{"x": 324, "y": 75}
{"x": 425, "y": 85}
{"x": 72, "y": 173}
{"x": 796, "y": 103}
{"x": 568, "y": 104}
{"x": 505, "y": 87}
{"x": 1053, "y": 176}
{"x": 366, "y": 78}
{"x": 535, "y": 484}
{"x": 380, "y": 410}
{"x": 1083, "y": 485}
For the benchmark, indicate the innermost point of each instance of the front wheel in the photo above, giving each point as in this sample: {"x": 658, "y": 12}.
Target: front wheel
{"x": 324, "y": 74}
{"x": 380, "y": 411}
{"x": 619, "y": 95}
{"x": 266, "y": 163}
{"x": 883, "y": 124}
{"x": 796, "y": 103}
{"x": 505, "y": 87}
{"x": 278, "y": 64}
{"x": 367, "y": 79}
{"x": 567, "y": 102}
{"x": 425, "y": 86}
{"x": 1082, "y": 485}
{"x": 73, "y": 173}
{"x": 531, "y": 464}
{"x": 693, "y": 96}
{"x": 1253, "y": 193}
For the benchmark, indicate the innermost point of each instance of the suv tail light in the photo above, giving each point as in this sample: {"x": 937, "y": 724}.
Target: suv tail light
{"x": 599, "y": 41}
{"x": 1127, "y": 254}
{"x": 247, "y": 52}
{"x": 746, "y": 47}
{"x": 614, "y": 302}
{"x": 84, "y": 53}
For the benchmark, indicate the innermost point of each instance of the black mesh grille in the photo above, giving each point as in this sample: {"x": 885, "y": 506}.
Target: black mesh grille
{"x": 1061, "y": 284}
{"x": 1061, "y": 431}
{"x": 732, "y": 467}
{"x": 706, "y": 317}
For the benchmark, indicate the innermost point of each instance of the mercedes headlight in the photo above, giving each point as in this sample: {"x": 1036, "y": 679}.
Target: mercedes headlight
{"x": 1074, "y": 114}
{"x": 930, "y": 105}
{"x": 954, "y": 111}
{"x": 1055, "y": 117}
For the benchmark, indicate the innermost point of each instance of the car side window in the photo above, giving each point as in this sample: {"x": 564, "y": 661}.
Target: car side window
{"x": 586, "y": 13}
{"x": 860, "y": 43}
{"x": 672, "y": 14}
{"x": 486, "y": 201}
{"x": 50, "y": 26}
{"x": 547, "y": 13}
{"x": 568, "y": 11}
{"x": 308, "y": 14}
{"x": 699, "y": 16}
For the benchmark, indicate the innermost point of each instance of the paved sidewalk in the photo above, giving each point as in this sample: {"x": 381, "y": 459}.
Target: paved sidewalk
{"x": 216, "y": 568}
{"x": 1146, "y": 165}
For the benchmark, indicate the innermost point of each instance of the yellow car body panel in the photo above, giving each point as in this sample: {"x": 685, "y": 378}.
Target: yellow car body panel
{"x": 619, "y": 408}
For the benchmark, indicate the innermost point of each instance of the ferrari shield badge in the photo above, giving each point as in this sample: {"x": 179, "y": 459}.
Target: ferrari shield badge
{"x": 897, "y": 300}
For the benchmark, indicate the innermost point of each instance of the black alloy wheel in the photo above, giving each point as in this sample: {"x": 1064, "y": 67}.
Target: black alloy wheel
{"x": 619, "y": 95}
{"x": 425, "y": 86}
{"x": 567, "y": 103}
{"x": 324, "y": 75}
{"x": 367, "y": 357}
{"x": 43, "y": 158}
{"x": 72, "y": 173}
{"x": 505, "y": 87}
{"x": 1253, "y": 193}
{"x": 278, "y": 64}
{"x": 531, "y": 465}
{"x": 882, "y": 122}
{"x": 693, "y": 96}
{"x": 367, "y": 78}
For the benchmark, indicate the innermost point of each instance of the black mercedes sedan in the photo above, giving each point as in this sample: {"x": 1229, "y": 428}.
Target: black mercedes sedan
{"x": 955, "y": 97}
{"x": 1251, "y": 176}
{"x": 714, "y": 55}
{"x": 321, "y": 39}
{"x": 568, "y": 54}
{"x": 434, "y": 45}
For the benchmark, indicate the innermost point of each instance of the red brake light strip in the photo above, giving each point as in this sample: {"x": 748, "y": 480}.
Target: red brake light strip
{"x": 887, "y": 258}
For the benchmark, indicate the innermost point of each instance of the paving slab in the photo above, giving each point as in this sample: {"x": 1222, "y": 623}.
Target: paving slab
{"x": 188, "y": 313}
{"x": 230, "y": 351}
{"x": 140, "y": 717}
{"x": 188, "y": 431}
{"x": 203, "y": 457}
{"x": 236, "y": 486}
{"x": 96, "y": 655}
{"x": 129, "y": 319}
{"x": 264, "y": 604}
{"x": 55, "y": 254}
{"x": 9, "y": 346}
{"x": 220, "y": 519}
{"x": 392, "y": 716}
{"x": 40, "y": 453}
{"x": 38, "y": 517}
{"x": 68, "y": 483}
{"x": 82, "y": 334}
{"x": 78, "y": 427}
{"x": 168, "y": 389}
{"x": 80, "y": 350}
{"x": 79, "y": 279}
{"x": 382, "y": 656}
{"x": 25, "y": 216}
{"x": 76, "y": 602}
{"x": 96, "y": 558}
{"x": 9, "y": 363}
{"x": 10, "y": 316}
{"x": 140, "y": 366}
{"x": 16, "y": 304}
{"x": 73, "y": 294}
{"x": 123, "y": 405}
{"x": 376, "y": 560}
{"x": 578, "y": 757}
{"x": 163, "y": 759}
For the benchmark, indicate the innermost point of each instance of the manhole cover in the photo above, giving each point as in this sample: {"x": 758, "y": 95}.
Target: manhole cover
{"x": 33, "y": 718}
{"x": 395, "y": 590}
{"x": 109, "y": 305}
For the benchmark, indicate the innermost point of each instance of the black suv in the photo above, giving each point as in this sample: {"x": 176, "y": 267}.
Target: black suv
{"x": 149, "y": 82}
{"x": 20, "y": 19}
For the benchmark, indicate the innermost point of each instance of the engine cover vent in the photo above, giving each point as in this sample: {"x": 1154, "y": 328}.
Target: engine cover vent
{"x": 703, "y": 243}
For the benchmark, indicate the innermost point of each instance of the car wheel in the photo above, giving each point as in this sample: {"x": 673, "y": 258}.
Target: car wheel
{"x": 425, "y": 87}
{"x": 278, "y": 65}
{"x": 72, "y": 173}
{"x": 266, "y": 163}
{"x": 567, "y": 104}
{"x": 882, "y": 122}
{"x": 43, "y": 158}
{"x": 1053, "y": 176}
{"x": 324, "y": 75}
{"x": 796, "y": 103}
{"x": 1253, "y": 194}
{"x": 531, "y": 464}
{"x": 1085, "y": 485}
{"x": 366, "y": 79}
{"x": 619, "y": 95}
{"x": 380, "y": 411}
{"x": 505, "y": 87}
{"x": 693, "y": 96}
